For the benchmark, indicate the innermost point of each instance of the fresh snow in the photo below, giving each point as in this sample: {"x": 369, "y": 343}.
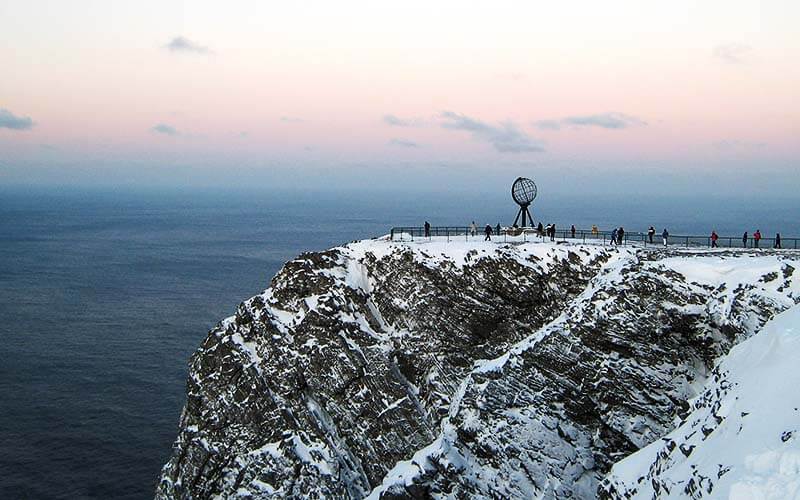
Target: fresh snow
{"x": 754, "y": 450}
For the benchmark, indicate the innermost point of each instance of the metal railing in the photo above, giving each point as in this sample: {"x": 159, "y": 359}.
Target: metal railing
{"x": 410, "y": 233}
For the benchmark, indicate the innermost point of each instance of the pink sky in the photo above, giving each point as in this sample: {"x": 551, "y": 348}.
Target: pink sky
{"x": 684, "y": 82}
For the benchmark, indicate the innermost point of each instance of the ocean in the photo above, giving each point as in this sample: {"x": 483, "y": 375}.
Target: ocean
{"x": 105, "y": 293}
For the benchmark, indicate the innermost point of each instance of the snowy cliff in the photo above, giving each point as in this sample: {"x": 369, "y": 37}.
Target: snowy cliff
{"x": 470, "y": 369}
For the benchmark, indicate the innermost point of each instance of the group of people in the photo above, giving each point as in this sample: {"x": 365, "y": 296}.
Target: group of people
{"x": 488, "y": 231}
{"x": 548, "y": 231}
{"x": 651, "y": 232}
{"x": 617, "y": 235}
{"x": 756, "y": 239}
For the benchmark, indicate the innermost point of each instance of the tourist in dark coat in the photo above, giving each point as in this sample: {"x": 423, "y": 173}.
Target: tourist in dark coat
{"x": 665, "y": 236}
{"x": 744, "y": 239}
{"x": 572, "y": 231}
{"x": 650, "y": 233}
{"x": 488, "y": 232}
{"x": 778, "y": 240}
{"x": 614, "y": 236}
{"x": 620, "y": 235}
{"x": 427, "y": 229}
{"x": 552, "y": 232}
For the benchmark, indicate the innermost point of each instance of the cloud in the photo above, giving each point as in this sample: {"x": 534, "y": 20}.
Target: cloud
{"x": 732, "y": 53}
{"x": 163, "y": 128}
{"x": 506, "y": 137}
{"x": 548, "y": 124}
{"x": 736, "y": 144}
{"x": 396, "y": 121}
{"x": 13, "y": 122}
{"x": 403, "y": 143}
{"x": 181, "y": 44}
{"x": 291, "y": 119}
{"x": 602, "y": 120}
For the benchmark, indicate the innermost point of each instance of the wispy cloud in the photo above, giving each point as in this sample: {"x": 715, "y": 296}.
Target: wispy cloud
{"x": 163, "y": 128}
{"x": 732, "y": 53}
{"x": 548, "y": 124}
{"x": 396, "y": 121}
{"x": 182, "y": 44}
{"x": 291, "y": 119}
{"x": 506, "y": 137}
{"x": 602, "y": 120}
{"x": 404, "y": 143}
{"x": 11, "y": 121}
{"x": 736, "y": 144}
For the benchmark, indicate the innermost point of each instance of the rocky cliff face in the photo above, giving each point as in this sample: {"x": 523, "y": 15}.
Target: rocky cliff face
{"x": 435, "y": 369}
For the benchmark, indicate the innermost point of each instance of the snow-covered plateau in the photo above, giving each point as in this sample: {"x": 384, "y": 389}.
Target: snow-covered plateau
{"x": 435, "y": 369}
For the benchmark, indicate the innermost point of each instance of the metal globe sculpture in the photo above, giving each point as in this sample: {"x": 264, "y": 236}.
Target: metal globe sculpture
{"x": 523, "y": 191}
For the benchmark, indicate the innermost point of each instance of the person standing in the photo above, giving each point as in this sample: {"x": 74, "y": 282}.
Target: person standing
{"x": 714, "y": 238}
{"x": 650, "y": 233}
{"x": 427, "y": 229}
{"x": 552, "y": 232}
{"x": 473, "y": 229}
{"x": 540, "y": 230}
{"x": 744, "y": 239}
{"x": 497, "y": 229}
{"x": 756, "y": 238}
{"x": 488, "y": 231}
{"x": 572, "y": 231}
{"x": 614, "y": 236}
{"x": 665, "y": 236}
{"x": 620, "y": 235}
{"x": 778, "y": 240}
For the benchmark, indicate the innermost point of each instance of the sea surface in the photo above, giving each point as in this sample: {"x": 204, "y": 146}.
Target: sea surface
{"x": 105, "y": 293}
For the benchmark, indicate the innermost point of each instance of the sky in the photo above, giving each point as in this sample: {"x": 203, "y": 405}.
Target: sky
{"x": 608, "y": 96}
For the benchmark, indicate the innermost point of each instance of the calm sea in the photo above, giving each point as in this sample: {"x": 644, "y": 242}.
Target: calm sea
{"x": 104, "y": 294}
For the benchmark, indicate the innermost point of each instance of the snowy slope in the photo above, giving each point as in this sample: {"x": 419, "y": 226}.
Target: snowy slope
{"x": 742, "y": 440}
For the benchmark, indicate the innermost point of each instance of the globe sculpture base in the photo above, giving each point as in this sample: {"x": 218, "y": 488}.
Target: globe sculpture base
{"x": 525, "y": 215}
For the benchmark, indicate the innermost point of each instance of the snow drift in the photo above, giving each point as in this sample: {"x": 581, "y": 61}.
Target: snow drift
{"x": 741, "y": 440}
